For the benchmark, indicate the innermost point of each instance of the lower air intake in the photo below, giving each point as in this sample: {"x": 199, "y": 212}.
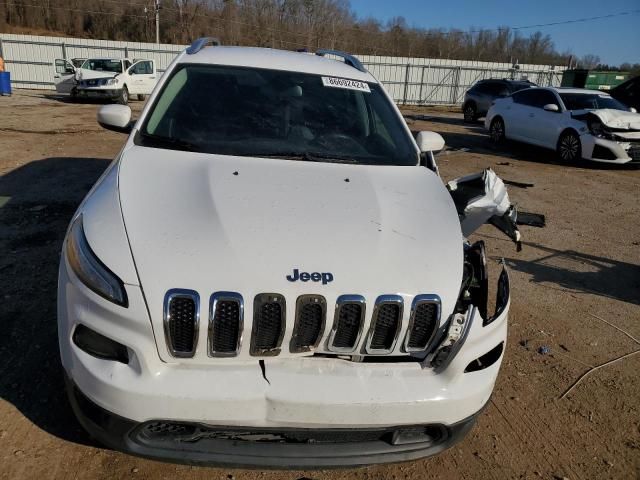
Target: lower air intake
{"x": 181, "y": 315}
{"x": 347, "y": 324}
{"x": 268, "y": 324}
{"x": 425, "y": 316}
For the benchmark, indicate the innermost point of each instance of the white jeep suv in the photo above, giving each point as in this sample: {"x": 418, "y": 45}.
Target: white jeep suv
{"x": 272, "y": 273}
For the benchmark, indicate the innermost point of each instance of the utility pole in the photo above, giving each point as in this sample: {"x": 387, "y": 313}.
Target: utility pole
{"x": 157, "y": 8}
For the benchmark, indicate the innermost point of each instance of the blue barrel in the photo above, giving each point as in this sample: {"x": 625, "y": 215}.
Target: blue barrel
{"x": 5, "y": 83}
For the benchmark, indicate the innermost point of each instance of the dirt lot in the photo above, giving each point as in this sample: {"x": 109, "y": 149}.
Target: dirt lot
{"x": 586, "y": 261}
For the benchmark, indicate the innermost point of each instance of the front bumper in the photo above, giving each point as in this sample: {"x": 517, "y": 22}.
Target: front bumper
{"x": 292, "y": 394}
{"x": 599, "y": 149}
{"x": 97, "y": 92}
{"x": 284, "y": 448}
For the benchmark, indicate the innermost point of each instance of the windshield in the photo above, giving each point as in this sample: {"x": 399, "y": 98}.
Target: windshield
{"x": 100, "y": 65}
{"x": 257, "y": 112}
{"x": 591, "y": 101}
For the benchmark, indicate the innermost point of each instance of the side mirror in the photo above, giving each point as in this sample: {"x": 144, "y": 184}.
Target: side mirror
{"x": 429, "y": 142}
{"x": 116, "y": 118}
{"x": 131, "y": 71}
{"x": 551, "y": 107}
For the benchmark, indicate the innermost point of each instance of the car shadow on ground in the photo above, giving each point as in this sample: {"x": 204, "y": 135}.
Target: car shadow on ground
{"x": 37, "y": 202}
{"x": 581, "y": 273}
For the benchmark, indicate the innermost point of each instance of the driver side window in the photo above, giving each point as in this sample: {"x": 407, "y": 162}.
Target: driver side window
{"x": 142, "y": 68}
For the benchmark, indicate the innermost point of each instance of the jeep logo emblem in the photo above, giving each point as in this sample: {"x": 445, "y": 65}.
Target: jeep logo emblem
{"x": 325, "y": 277}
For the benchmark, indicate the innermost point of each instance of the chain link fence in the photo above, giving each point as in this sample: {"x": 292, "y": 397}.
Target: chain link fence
{"x": 415, "y": 81}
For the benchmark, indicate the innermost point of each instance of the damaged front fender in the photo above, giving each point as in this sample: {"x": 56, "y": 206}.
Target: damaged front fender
{"x": 482, "y": 198}
{"x": 472, "y": 308}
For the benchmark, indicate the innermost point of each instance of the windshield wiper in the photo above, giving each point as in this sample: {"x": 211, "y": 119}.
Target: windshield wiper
{"x": 170, "y": 142}
{"x": 304, "y": 156}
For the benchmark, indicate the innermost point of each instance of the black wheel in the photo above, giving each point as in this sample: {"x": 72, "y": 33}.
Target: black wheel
{"x": 123, "y": 99}
{"x": 496, "y": 130}
{"x": 470, "y": 113}
{"x": 569, "y": 147}
{"x": 140, "y": 97}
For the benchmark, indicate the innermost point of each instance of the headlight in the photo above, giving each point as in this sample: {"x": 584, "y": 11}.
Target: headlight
{"x": 89, "y": 269}
{"x": 598, "y": 130}
{"x": 107, "y": 81}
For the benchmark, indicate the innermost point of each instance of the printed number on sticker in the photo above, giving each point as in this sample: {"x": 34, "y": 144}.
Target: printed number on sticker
{"x": 346, "y": 83}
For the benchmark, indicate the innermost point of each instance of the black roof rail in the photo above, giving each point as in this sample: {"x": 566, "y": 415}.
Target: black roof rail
{"x": 200, "y": 43}
{"x": 348, "y": 59}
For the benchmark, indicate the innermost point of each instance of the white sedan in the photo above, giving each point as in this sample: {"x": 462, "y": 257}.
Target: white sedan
{"x": 577, "y": 123}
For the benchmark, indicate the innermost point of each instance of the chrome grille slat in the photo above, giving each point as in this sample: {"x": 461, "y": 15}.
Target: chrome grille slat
{"x": 269, "y": 320}
{"x": 386, "y": 323}
{"x": 311, "y": 311}
{"x": 423, "y": 323}
{"x": 226, "y": 315}
{"x": 181, "y": 322}
{"x": 347, "y": 324}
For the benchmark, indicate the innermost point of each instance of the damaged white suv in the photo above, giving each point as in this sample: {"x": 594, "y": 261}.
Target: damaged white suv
{"x": 272, "y": 273}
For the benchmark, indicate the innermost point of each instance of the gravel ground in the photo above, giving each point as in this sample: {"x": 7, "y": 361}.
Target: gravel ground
{"x": 585, "y": 262}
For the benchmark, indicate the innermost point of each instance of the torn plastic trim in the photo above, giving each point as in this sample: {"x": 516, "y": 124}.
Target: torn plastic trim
{"x": 482, "y": 198}
{"x": 457, "y": 330}
{"x": 452, "y": 338}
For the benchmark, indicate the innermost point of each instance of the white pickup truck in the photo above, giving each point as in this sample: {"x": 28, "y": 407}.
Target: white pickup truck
{"x": 107, "y": 78}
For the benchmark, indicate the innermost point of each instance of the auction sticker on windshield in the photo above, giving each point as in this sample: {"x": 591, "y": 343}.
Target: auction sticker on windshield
{"x": 346, "y": 83}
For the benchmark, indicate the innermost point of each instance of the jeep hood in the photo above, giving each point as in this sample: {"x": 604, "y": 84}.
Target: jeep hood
{"x": 219, "y": 223}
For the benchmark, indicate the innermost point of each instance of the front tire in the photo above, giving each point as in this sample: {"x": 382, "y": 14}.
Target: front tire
{"x": 496, "y": 131}
{"x": 123, "y": 99}
{"x": 569, "y": 147}
{"x": 470, "y": 113}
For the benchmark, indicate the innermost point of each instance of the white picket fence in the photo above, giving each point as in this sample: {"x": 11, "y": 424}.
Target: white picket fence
{"x": 426, "y": 81}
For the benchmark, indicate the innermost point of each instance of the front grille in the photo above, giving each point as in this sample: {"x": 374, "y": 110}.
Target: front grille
{"x": 425, "y": 316}
{"x": 385, "y": 324}
{"x": 311, "y": 311}
{"x": 268, "y": 324}
{"x": 347, "y": 324}
{"x": 181, "y": 315}
{"x": 225, "y": 324}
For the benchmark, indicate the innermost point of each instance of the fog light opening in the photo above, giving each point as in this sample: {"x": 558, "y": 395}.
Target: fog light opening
{"x": 99, "y": 346}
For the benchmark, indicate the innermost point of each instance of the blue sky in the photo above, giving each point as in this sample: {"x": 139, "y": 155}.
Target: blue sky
{"x": 614, "y": 40}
